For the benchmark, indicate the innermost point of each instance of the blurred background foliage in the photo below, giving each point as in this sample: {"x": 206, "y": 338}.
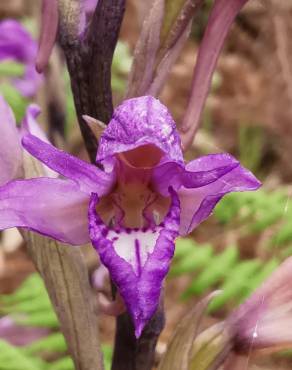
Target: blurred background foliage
{"x": 29, "y": 306}
{"x": 248, "y": 114}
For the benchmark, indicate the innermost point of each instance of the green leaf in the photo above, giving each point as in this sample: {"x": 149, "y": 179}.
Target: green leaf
{"x": 198, "y": 258}
{"x": 65, "y": 363}
{"x": 265, "y": 220}
{"x": 236, "y": 282}
{"x": 184, "y": 246}
{"x": 261, "y": 276}
{"x": 11, "y": 358}
{"x": 217, "y": 269}
{"x": 284, "y": 235}
{"x": 122, "y": 58}
{"x": 43, "y": 319}
{"x": 16, "y": 101}
{"x": 54, "y": 343}
{"x": 32, "y": 287}
{"x": 11, "y": 69}
{"x": 107, "y": 356}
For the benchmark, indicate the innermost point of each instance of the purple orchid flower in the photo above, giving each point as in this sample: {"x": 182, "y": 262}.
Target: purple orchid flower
{"x": 17, "y": 44}
{"x": 135, "y": 208}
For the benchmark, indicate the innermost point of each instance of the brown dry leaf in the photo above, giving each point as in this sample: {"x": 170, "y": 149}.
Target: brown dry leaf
{"x": 65, "y": 274}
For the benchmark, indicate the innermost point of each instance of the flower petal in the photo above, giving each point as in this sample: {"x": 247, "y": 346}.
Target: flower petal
{"x": 89, "y": 5}
{"x": 197, "y": 204}
{"x": 30, "y": 125}
{"x": 17, "y": 44}
{"x": 197, "y": 173}
{"x": 138, "y": 122}
{"x": 88, "y": 177}
{"x": 10, "y": 148}
{"x": 53, "y": 207}
{"x": 28, "y": 84}
{"x": 137, "y": 260}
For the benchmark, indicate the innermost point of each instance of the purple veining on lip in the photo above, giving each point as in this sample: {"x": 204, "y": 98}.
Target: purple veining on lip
{"x": 16, "y": 44}
{"x": 138, "y": 257}
{"x": 139, "y": 289}
{"x": 143, "y": 199}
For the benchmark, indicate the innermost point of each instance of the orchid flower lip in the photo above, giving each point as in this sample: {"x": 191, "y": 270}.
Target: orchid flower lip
{"x": 144, "y": 272}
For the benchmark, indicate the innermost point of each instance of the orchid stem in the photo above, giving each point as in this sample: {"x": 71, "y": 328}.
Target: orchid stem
{"x": 89, "y": 58}
{"x": 136, "y": 354}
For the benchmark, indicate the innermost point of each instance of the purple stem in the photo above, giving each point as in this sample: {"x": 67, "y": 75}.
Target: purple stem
{"x": 89, "y": 59}
{"x": 136, "y": 354}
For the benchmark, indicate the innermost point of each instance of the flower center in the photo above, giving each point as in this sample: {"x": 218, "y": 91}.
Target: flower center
{"x": 132, "y": 203}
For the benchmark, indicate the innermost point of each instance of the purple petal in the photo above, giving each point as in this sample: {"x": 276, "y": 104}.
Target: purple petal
{"x": 53, "y": 207}
{"x": 137, "y": 260}
{"x": 88, "y": 177}
{"x": 138, "y": 122}
{"x": 197, "y": 204}
{"x": 17, "y": 44}
{"x": 219, "y": 23}
{"x": 89, "y": 5}
{"x": 198, "y": 173}
{"x": 30, "y": 125}
{"x": 10, "y": 149}
{"x": 29, "y": 83}
{"x": 19, "y": 335}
